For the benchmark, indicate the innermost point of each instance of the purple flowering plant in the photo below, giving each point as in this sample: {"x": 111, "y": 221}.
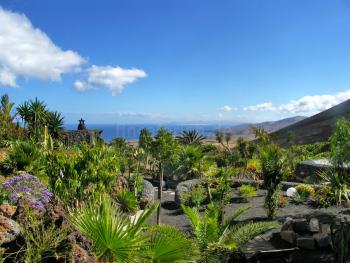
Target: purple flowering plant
{"x": 28, "y": 188}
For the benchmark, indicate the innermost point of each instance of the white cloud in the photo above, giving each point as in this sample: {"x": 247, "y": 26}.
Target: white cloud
{"x": 28, "y": 52}
{"x": 267, "y": 106}
{"x": 307, "y": 104}
{"x": 227, "y": 108}
{"x": 113, "y": 78}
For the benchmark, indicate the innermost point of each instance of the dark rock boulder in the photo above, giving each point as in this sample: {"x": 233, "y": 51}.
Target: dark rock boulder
{"x": 147, "y": 195}
{"x": 184, "y": 187}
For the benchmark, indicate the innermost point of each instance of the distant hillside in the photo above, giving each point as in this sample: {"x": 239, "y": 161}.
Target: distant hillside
{"x": 316, "y": 128}
{"x": 245, "y": 130}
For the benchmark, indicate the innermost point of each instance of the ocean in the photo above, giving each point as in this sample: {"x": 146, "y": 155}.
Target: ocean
{"x": 132, "y": 131}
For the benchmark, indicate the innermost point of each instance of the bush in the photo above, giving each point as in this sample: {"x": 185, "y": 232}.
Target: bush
{"x": 273, "y": 165}
{"x": 127, "y": 201}
{"x": 194, "y": 198}
{"x": 323, "y": 197}
{"x": 247, "y": 191}
{"x": 20, "y": 156}
{"x": 282, "y": 201}
{"x": 27, "y": 188}
{"x": 305, "y": 190}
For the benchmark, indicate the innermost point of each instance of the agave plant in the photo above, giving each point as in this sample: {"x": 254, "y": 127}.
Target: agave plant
{"x": 118, "y": 238}
{"x": 337, "y": 180}
{"x": 211, "y": 235}
{"x": 190, "y": 138}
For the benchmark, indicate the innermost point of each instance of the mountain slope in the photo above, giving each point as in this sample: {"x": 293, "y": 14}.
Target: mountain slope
{"x": 315, "y": 128}
{"x": 245, "y": 130}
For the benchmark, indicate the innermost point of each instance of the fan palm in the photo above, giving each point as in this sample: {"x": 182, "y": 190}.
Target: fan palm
{"x": 210, "y": 234}
{"x": 118, "y": 238}
{"x": 190, "y": 138}
{"x": 168, "y": 244}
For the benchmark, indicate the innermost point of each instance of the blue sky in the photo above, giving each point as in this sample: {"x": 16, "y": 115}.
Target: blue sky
{"x": 181, "y": 60}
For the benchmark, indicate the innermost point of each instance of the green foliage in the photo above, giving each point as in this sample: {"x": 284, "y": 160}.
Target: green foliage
{"x": 192, "y": 163}
{"x": 21, "y": 155}
{"x": 194, "y": 198}
{"x": 273, "y": 165}
{"x": 211, "y": 235}
{"x": 168, "y": 244}
{"x": 340, "y": 143}
{"x": 115, "y": 237}
{"x": 43, "y": 240}
{"x": 190, "y": 138}
{"x": 75, "y": 174}
{"x": 127, "y": 201}
{"x": 9, "y": 131}
{"x": 36, "y": 117}
{"x": 324, "y": 197}
{"x": 337, "y": 181}
{"x": 247, "y": 191}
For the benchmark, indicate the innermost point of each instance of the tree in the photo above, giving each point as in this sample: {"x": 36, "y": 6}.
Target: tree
{"x": 55, "y": 123}
{"x": 190, "y": 138}
{"x": 145, "y": 143}
{"x": 163, "y": 148}
{"x": 191, "y": 162}
{"x": 24, "y": 112}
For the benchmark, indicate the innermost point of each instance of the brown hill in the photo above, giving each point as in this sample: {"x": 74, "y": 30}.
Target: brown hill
{"x": 245, "y": 130}
{"x": 316, "y": 128}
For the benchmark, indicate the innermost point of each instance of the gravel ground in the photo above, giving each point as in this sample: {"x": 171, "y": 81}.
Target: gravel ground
{"x": 175, "y": 217}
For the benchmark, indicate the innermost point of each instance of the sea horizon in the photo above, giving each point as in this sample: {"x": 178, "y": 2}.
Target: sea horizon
{"x": 131, "y": 132}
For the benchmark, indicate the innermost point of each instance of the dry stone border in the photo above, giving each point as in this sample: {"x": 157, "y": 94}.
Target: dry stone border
{"x": 306, "y": 234}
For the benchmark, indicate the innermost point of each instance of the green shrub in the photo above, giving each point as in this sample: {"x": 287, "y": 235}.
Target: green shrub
{"x": 304, "y": 193}
{"x": 273, "y": 164}
{"x": 20, "y": 156}
{"x": 247, "y": 191}
{"x": 127, "y": 201}
{"x": 324, "y": 197}
{"x": 282, "y": 200}
{"x": 194, "y": 198}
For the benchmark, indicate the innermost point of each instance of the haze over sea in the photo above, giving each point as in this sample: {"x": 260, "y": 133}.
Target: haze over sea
{"x": 132, "y": 131}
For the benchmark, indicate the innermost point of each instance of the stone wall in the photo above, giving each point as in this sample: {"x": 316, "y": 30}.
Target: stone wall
{"x": 70, "y": 138}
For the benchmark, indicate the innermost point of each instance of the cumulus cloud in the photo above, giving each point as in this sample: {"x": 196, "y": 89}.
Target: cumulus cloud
{"x": 267, "y": 106}
{"x": 28, "y": 52}
{"x": 227, "y": 108}
{"x": 112, "y": 78}
{"x": 307, "y": 104}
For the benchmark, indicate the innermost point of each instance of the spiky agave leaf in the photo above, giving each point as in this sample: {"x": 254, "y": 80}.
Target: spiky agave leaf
{"x": 168, "y": 244}
{"x": 244, "y": 232}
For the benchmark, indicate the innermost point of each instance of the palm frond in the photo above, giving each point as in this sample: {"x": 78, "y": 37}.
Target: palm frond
{"x": 193, "y": 215}
{"x": 242, "y": 233}
{"x": 230, "y": 220}
{"x": 168, "y": 244}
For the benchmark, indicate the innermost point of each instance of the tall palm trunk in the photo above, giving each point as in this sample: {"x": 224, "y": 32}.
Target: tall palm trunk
{"x": 160, "y": 190}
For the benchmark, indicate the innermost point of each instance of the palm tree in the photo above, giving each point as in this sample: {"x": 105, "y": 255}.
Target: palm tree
{"x": 6, "y": 108}
{"x": 118, "y": 238}
{"x": 24, "y": 112}
{"x": 190, "y": 138}
{"x": 191, "y": 162}
{"x": 55, "y": 123}
{"x": 211, "y": 236}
